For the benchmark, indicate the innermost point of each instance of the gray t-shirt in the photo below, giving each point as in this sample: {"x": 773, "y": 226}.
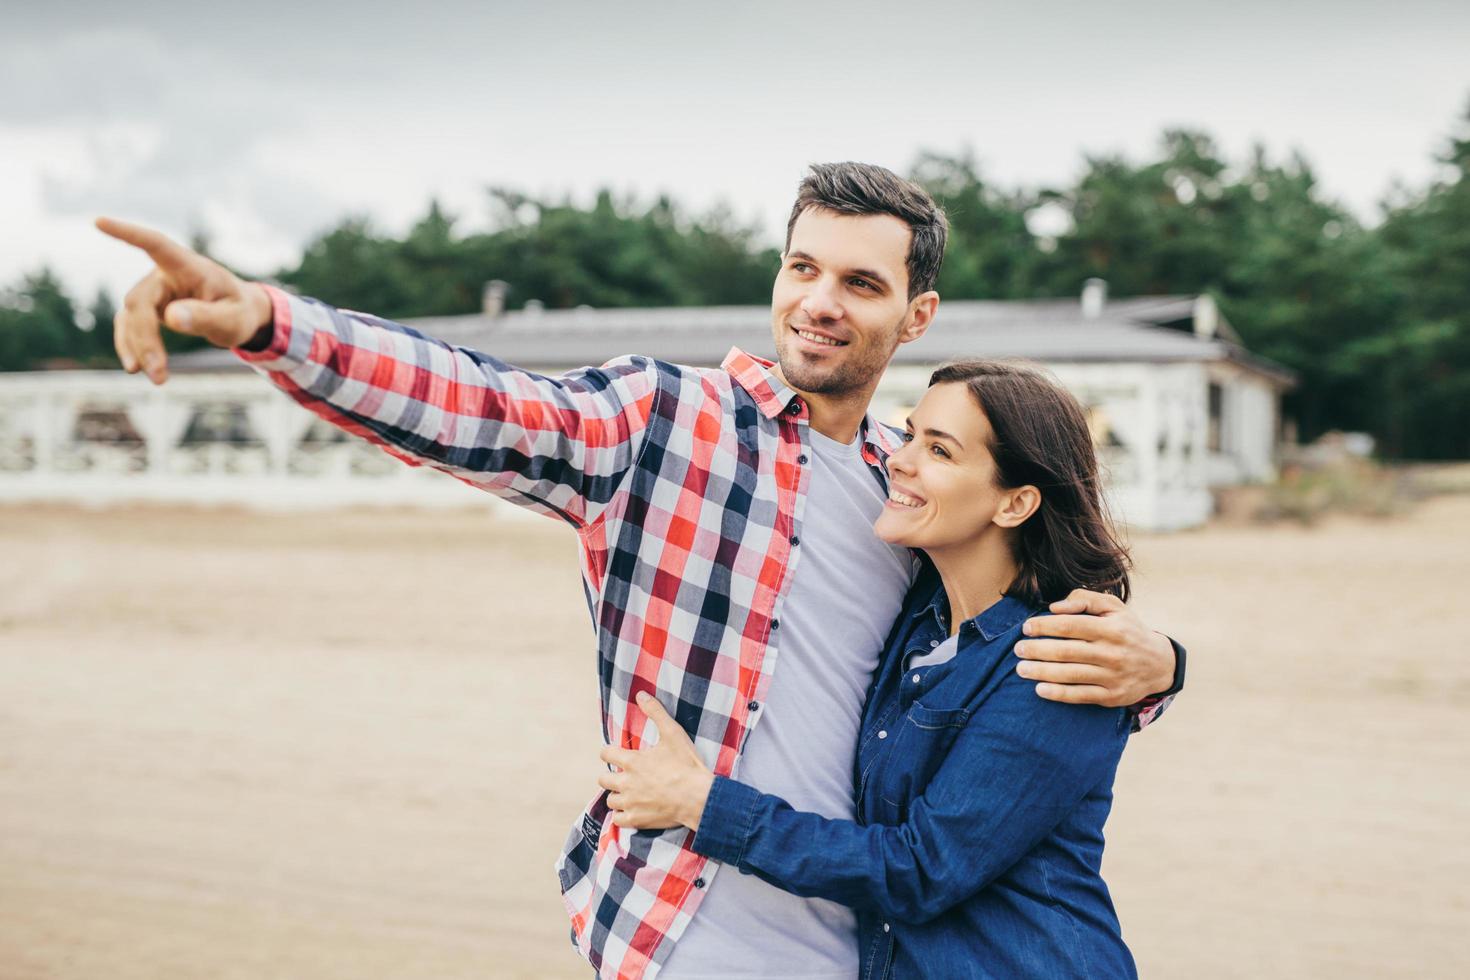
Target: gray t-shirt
{"x": 942, "y": 652}
{"x": 847, "y": 589}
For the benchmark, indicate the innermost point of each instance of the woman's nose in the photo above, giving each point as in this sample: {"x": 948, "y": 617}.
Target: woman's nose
{"x": 900, "y": 460}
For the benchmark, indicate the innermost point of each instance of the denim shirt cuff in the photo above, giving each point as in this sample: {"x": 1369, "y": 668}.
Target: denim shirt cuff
{"x": 725, "y": 826}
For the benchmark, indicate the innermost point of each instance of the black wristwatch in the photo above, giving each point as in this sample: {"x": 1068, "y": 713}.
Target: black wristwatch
{"x": 1178, "y": 684}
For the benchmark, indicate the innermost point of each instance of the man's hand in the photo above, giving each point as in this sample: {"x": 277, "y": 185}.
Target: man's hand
{"x": 185, "y": 292}
{"x": 664, "y": 785}
{"x": 1095, "y": 650}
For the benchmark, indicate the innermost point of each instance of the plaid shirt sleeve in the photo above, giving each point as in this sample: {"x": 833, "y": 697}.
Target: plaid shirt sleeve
{"x": 556, "y": 445}
{"x": 1147, "y": 711}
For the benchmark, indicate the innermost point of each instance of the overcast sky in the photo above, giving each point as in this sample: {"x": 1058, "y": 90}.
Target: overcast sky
{"x": 267, "y": 123}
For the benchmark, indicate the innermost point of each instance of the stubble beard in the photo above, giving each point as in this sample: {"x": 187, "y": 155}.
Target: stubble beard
{"x": 848, "y": 378}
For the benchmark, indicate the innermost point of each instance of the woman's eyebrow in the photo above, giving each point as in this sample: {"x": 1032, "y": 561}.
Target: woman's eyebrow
{"x": 941, "y": 434}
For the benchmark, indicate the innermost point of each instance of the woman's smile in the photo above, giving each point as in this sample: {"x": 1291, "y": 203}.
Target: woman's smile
{"x": 904, "y": 499}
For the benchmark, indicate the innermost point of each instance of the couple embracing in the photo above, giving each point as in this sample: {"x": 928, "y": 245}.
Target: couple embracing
{"x": 864, "y": 690}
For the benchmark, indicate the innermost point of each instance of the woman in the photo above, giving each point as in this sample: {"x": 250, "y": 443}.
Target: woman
{"x": 980, "y": 805}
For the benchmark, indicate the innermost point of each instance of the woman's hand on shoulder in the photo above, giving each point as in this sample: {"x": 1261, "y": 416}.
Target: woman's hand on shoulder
{"x": 664, "y": 785}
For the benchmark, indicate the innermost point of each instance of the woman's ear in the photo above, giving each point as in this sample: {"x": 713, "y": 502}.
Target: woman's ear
{"x": 1017, "y": 506}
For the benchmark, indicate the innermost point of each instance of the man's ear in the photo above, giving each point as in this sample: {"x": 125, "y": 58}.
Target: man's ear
{"x": 921, "y": 313}
{"x": 1017, "y": 506}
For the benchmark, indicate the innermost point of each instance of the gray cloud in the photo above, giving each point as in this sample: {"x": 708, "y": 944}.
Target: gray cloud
{"x": 272, "y": 119}
{"x": 167, "y": 131}
{"x": 80, "y": 78}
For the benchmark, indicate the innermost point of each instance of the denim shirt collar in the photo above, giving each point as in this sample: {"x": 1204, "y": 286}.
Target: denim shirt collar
{"x": 997, "y": 620}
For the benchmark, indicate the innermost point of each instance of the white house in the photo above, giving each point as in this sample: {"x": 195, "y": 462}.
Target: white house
{"x": 1178, "y": 406}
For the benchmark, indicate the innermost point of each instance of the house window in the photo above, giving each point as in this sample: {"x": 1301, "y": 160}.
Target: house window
{"x": 1215, "y": 437}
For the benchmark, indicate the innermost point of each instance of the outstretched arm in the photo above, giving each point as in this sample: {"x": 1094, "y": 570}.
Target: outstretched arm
{"x": 559, "y": 445}
{"x": 1037, "y": 760}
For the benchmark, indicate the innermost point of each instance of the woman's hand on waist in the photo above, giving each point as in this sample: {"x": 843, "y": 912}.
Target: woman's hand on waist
{"x": 664, "y": 785}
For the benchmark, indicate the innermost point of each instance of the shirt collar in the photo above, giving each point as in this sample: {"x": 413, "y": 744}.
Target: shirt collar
{"x": 1002, "y": 616}
{"x": 756, "y": 375}
{"x": 773, "y": 396}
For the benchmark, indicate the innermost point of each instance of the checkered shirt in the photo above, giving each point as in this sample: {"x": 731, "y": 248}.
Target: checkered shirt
{"x": 686, "y": 488}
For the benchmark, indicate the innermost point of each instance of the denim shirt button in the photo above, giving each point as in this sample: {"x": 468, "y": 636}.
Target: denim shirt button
{"x": 916, "y": 678}
{"x": 883, "y": 734}
{"x": 885, "y": 927}
{"x": 933, "y": 644}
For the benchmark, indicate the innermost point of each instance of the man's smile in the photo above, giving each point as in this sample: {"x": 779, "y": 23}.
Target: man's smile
{"x": 818, "y": 338}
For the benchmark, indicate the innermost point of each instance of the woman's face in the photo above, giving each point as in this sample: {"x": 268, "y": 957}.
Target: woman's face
{"x": 942, "y": 487}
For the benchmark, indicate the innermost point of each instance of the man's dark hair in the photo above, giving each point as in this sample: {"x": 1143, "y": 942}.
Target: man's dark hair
{"x": 1040, "y": 438}
{"x": 863, "y": 188}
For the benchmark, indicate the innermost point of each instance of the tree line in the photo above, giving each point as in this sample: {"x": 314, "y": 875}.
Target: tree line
{"x": 1374, "y": 319}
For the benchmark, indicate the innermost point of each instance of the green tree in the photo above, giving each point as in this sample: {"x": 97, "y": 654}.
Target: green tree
{"x": 991, "y": 252}
{"x": 1425, "y": 363}
{"x": 614, "y": 253}
{"x": 97, "y": 340}
{"x": 1303, "y": 284}
{"x": 1155, "y": 228}
{"x": 352, "y": 266}
{"x": 38, "y": 323}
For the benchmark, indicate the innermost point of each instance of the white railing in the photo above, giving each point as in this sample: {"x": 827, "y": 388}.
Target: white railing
{"x": 102, "y": 437}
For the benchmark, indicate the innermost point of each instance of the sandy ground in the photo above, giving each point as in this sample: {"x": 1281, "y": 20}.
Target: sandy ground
{"x": 348, "y": 746}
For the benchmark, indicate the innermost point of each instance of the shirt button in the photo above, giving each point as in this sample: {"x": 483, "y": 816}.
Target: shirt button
{"x": 801, "y": 459}
{"x": 916, "y": 678}
{"x": 754, "y": 706}
{"x": 933, "y": 644}
{"x": 795, "y": 541}
{"x": 883, "y": 734}
{"x": 885, "y": 927}
{"x": 698, "y": 882}
{"x": 775, "y": 624}
{"x": 794, "y": 408}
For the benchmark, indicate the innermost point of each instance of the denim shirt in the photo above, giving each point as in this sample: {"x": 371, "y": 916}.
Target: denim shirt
{"x": 980, "y": 815}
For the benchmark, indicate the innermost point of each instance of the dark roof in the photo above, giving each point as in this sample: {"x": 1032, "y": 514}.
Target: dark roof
{"x": 1147, "y": 328}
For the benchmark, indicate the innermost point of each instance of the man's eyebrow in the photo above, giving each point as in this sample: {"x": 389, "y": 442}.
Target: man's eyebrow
{"x": 877, "y": 277}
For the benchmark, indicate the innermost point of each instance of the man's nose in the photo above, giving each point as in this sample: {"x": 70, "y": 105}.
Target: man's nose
{"x": 821, "y": 301}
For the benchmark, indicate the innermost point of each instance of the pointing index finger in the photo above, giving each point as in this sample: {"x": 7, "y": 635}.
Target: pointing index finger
{"x": 164, "y": 251}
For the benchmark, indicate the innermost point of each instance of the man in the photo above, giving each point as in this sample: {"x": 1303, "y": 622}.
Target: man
{"x": 725, "y": 522}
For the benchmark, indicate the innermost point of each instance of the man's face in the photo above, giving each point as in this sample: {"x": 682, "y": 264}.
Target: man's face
{"x": 840, "y": 304}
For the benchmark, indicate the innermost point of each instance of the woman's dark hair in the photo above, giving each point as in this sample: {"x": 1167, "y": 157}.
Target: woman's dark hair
{"x": 865, "y": 188}
{"x": 1041, "y": 439}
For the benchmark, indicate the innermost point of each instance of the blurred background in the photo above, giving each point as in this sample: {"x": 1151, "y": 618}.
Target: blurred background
{"x": 274, "y": 705}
